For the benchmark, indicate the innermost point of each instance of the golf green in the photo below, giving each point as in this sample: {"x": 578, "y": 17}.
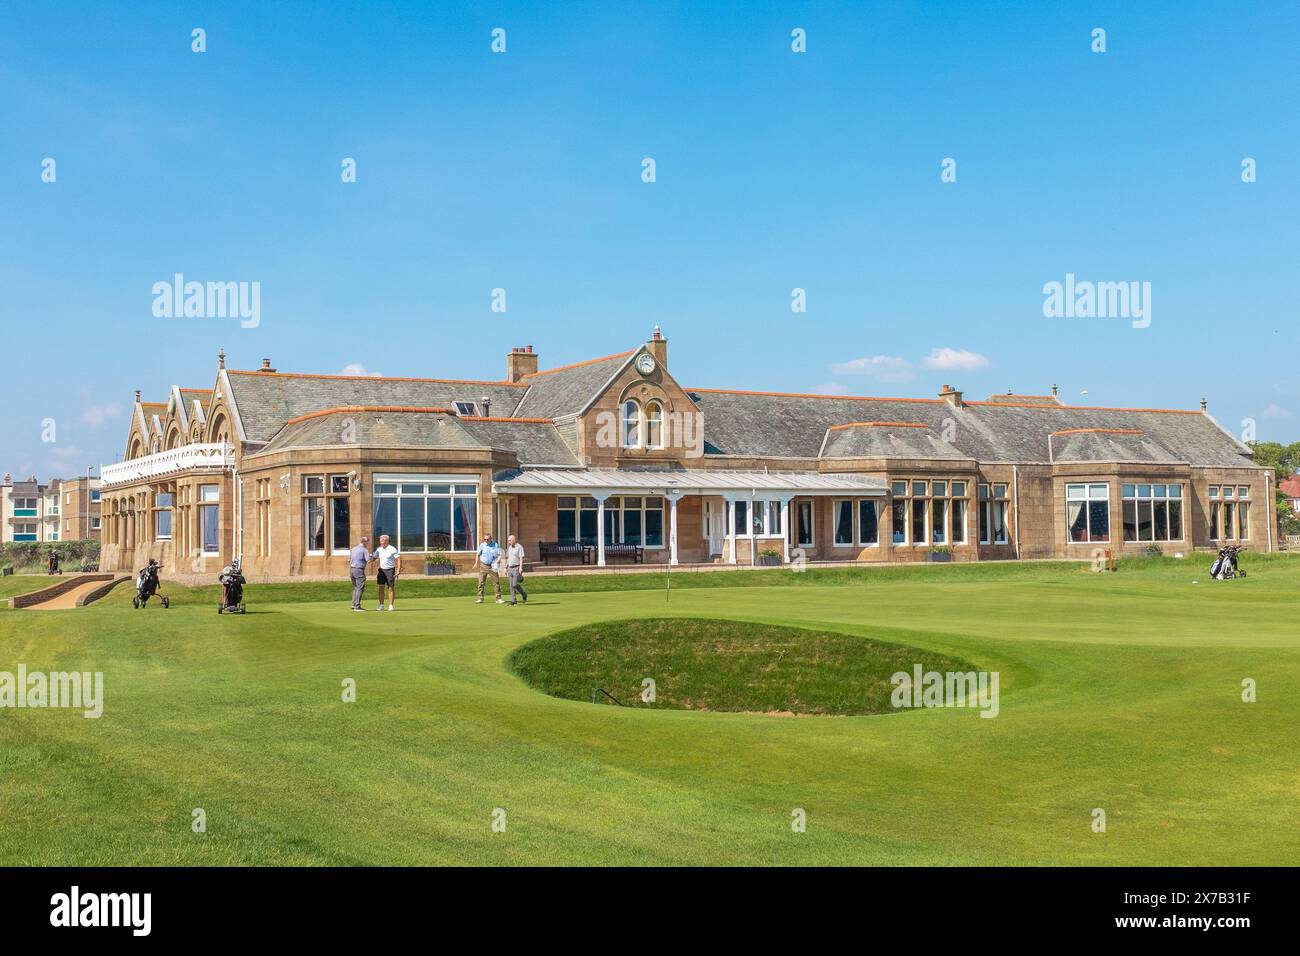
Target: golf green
{"x": 1119, "y": 692}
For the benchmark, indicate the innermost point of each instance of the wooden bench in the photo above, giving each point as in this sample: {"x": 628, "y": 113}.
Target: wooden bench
{"x": 548, "y": 549}
{"x": 634, "y": 551}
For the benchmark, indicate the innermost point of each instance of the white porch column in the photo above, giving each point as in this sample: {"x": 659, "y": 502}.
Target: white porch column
{"x": 731, "y": 530}
{"x": 672, "y": 529}
{"x": 600, "y": 497}
{"x": 785, "y": 530}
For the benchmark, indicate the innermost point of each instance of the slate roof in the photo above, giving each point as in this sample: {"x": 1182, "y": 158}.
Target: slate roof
{"x": 886, "y": 440}
{"x": 535, "y": 442}
{"x": 266, "y": 400}
{"x": 771, "y": 424}
{"x": 567, "y": 389}
{"x": 1118, "y": 445}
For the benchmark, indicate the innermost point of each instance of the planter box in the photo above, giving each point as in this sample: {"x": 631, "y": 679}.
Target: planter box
{"x": 938, "y": 558}
{"x": 767, "y": 561}
{"x": 437, "y": 569}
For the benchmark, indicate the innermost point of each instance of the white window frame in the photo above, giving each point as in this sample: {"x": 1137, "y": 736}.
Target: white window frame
{"x": 626, "y": 418}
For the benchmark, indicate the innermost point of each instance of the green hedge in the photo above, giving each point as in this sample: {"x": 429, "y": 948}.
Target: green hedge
{"x": 23, "y": 555}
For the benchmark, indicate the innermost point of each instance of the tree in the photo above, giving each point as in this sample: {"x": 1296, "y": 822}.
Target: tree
{"x": 1284, "y": 460}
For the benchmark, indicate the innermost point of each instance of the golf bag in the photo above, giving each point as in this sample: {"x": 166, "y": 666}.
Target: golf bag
{"x": 1225, "y": 565}
{"x": 54, "y": 567}
{"x": 146, "y": 585}
{"x": 232, "y": 584}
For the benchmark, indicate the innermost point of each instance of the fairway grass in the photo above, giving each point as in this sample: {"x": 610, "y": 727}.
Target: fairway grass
{"x": 1120, "y": 692}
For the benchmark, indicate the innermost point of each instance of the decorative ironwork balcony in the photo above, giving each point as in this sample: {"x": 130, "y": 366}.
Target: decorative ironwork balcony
{"x": 207, "y": 456}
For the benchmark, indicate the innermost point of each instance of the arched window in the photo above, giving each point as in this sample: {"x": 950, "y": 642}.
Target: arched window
{"x": 631, "y": 424}
{"x": 654, "y": 425}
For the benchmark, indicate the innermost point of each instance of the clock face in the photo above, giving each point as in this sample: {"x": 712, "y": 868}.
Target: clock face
{"x": 645, "y": 363}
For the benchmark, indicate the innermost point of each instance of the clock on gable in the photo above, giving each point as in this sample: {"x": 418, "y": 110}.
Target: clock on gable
{"x": 645, "y": 363}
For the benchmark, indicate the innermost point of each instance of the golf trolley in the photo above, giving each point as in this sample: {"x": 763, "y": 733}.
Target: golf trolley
{"x": 232, "y": 584}
{"x": 146, "y": 585}
{"x": 1225, "y": 565}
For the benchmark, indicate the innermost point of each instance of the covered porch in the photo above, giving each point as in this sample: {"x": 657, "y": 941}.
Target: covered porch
{"x": 677, "y": 516}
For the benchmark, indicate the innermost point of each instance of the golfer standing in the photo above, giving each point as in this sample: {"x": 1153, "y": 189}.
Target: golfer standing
{"x": 488, "y": 556}
{"x": 358, "y": 558}
{"x": 515, "y": 569}
{"x": 387, "y": 557}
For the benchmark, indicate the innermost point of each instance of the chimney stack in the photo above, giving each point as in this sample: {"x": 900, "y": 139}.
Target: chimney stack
{"x": 486, "y": 402}
{"x": 658, "y": 347}
{"x": 521, "y": 361}
{"x": 951, "y": 396}
{"x": 266, "y": 366}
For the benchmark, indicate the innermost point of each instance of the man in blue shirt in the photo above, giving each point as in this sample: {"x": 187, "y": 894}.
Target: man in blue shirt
{"x": 486, "y": 565}
{"x": 358, "y": 558}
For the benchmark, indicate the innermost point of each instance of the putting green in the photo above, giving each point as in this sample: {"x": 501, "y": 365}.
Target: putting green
{"x": 1120, "y": 692}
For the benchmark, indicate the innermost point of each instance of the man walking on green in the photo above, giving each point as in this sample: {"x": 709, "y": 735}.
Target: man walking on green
{"x": 488, "y": 555}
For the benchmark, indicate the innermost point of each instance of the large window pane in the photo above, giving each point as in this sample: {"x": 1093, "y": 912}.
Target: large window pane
{"x": 208, "y": 518}
{"x": 1243, "y": 521}
{"x": 632, "y": 526}
{"x": 899, "y": 517}
{"x": 918, "y": 520}
{"x": 654, "y": 528}
{"x": 1145, "y": 522}
{"x": 342, "y": 527}
{"x": 410, "y": 525}
{"x": 1099, "y": 520}
{"x": 587, "y": 526}
{"x": 1076, "y": 519}
{"x": 1175, "y": 521}
{"x": 868, "y": 531}
{"x": 843, "y": 522}
{"x": 939, "y": 510}
{"x": 315, "y": 524}
{"x": 742, "y": 516}
{"x": 566, "y": 524}
{"x": 465, "y": 523}
{"x": 805, "y": 522}
{"x": 437, "y": 512}
{"x": 1130, "y": 519}
{"x": 385, "y": 512}
{"x": 1162, "y": 520}
{"x": 958, "y": 520}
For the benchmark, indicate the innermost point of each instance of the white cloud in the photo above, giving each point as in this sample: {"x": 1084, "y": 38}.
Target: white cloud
{"x": 883, "y": 368}
{"x": 955, "y": 360}
{"x": 831, "y": 388}
{"x": 1273, "y": 410}
{"x": 356, "y": 368}
{"x": 99, "y": 414}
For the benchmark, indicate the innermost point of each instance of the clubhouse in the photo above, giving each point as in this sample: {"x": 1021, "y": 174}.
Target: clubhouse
{"x": 612, "y": 460}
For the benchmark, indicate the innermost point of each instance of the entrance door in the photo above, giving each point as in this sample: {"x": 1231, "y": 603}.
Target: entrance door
{"x": 715, "y": 524}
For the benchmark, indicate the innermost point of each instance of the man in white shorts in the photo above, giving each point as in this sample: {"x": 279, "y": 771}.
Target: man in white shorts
{"x": 387, "y": 557}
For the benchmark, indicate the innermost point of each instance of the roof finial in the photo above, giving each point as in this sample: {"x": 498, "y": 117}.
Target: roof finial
{"x": 656, "y": 334}
{"x": 137, "y": 396}
{"x": 1204, "y": 404}
{"x": 221, "y": 358}
{"x": 1053, "y": 390}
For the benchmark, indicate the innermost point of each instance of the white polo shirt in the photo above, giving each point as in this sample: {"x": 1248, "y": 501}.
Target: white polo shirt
{"x": 387, "y": 557}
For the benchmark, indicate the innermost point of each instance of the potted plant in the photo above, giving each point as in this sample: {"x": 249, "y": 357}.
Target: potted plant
{"x": 768, "y": 558}
{"x": 939, "y": 555}
{"x": 439, "y": 563}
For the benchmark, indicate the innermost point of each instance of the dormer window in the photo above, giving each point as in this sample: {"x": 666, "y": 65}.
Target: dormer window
{"x": 466, "y": 408}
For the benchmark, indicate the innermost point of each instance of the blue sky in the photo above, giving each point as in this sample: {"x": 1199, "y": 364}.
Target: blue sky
{"x": 522, "y": 171}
